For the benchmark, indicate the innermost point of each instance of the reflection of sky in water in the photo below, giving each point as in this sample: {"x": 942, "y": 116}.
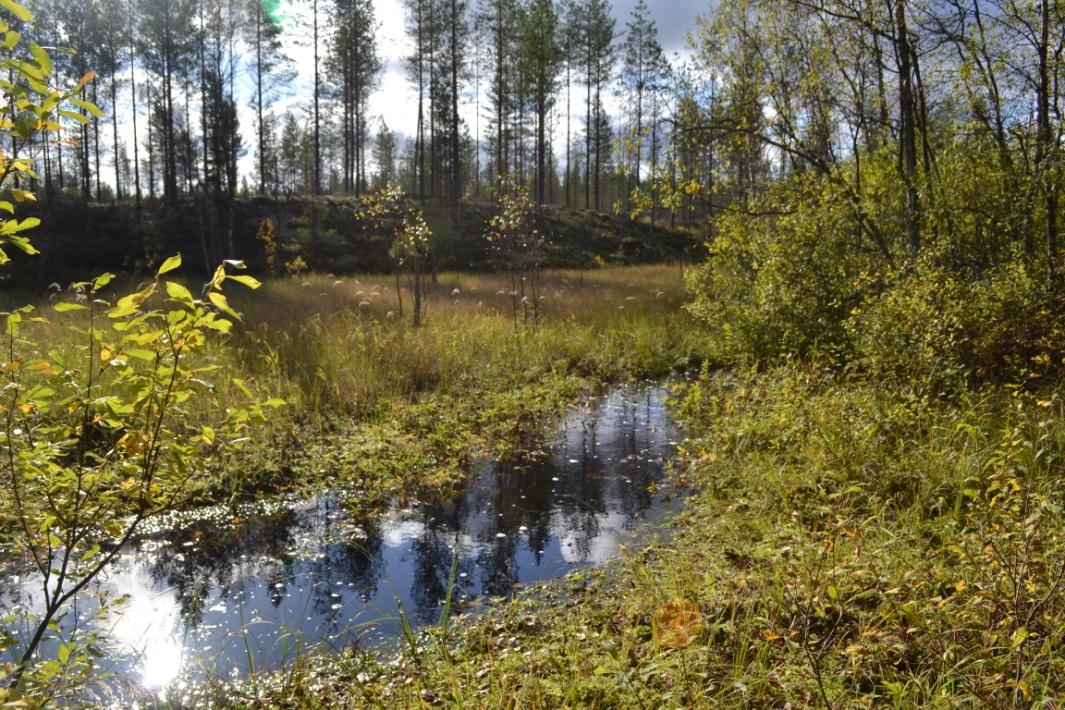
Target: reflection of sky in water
{"x": 207, "y": 598}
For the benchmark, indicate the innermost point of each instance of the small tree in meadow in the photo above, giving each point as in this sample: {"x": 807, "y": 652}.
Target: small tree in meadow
{"x": 390, "y": 208}
{"x": 518, "y": 248}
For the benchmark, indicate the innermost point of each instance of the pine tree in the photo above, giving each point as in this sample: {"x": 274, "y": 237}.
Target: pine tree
{"x": 543, "y": 54}
{"x": 166, "y": 42}
{"x": 598, "y": 51}
{"x": 263, "y": 34}
{"x": 384, "y": 156}
{"x": 642, "y": 77}
{"x": 354, "y": 60}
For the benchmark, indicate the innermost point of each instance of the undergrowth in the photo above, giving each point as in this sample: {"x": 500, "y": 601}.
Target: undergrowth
{"x": 843, "y": 547}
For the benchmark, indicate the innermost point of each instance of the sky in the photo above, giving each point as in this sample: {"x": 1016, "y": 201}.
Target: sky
{"x": 394, "y": 97}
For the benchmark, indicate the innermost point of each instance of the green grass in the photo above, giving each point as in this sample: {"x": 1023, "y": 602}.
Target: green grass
{"x": 341, "y": 345}
{"x": 398, "y": 410}
{"x": 845, "y": 546}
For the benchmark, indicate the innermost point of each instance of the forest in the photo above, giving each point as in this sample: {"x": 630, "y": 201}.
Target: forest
{"x": 612, "y": 374}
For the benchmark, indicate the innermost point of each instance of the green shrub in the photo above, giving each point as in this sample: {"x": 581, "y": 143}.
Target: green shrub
{"x": 782, "y": 277}
{"x": 935, "y": 330}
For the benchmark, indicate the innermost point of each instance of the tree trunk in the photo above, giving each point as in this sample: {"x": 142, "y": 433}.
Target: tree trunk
{"x": 1044, "y": 144}
{"x": 456, "y": 152}
{"x": 133, "y": 94}
{"x": 907, "y": 129}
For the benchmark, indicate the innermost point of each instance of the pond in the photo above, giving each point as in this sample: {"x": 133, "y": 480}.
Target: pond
{"x": 218, "y": 597}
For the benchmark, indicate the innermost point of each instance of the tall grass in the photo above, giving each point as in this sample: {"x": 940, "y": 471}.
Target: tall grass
{"x": 341, "y": 345}
{"x": 343, "y": 354}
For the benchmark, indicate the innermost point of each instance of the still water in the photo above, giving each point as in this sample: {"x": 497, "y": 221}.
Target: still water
{"x": 214, "y": 597}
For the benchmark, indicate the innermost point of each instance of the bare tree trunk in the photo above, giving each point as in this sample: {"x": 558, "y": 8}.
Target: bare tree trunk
{"x": 259, "y": 97}
{"x": 907, "y": 129}
{"x": 114, "y": 135}
{"x": 1044, "y": 145}
{"x": 456, "y": 152}
{"x": 316, "y": 189}
{"x": 133, "y": 93}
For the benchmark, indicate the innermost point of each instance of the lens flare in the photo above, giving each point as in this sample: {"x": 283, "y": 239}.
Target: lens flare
{"x": 275, "y": 11}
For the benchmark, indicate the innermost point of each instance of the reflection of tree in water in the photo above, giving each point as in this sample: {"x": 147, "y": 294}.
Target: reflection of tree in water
{"x": 434, "y": 551}
{"x": 336, "y": 562}
{"x": 581, "y": 490}
{"x": 340, "y": 565}
{"x": 599, "y": 447}
{"x": 639, "y": 447}
{"x": 219, "y": 560}
{"x": 215, "y": 558}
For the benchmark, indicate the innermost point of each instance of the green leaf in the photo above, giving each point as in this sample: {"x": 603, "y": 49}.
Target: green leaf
{"x": 222, "y": 304}
{"x": 42, "y": 58}
{"x": 23, "y": 244}
{"x": 177, "y": 292}
{"x": 74, "y": 116}
{"x": 220, "y": 324}
{"x": 117, "y": 407}
{"x": 141, "y": 354}
{"x": 17, "y": 10}
{"x": 90, "y": 107}
{"x": 102, "y": 280}
{"x": 242, "y": 387}
{"x": 169, "y": 265}
{"x": 128, "y": 305}
{"x": 67, "y": 307}
{"x": 11, "y": 226}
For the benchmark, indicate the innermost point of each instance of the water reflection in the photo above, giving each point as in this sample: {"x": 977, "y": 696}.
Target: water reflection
{"x": 218, "y": 599}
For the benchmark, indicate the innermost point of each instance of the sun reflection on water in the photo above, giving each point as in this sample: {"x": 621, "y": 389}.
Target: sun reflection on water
{"x": 146, "y": 626}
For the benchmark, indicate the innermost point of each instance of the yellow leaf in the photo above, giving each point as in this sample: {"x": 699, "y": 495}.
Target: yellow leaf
{"x": 677, "y": 623}
{"x": 169, "y": 265}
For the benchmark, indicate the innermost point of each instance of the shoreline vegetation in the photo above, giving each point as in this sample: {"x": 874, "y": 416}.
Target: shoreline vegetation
{"x": 844, "y": 544}
{"x": 401, "y": 411}
{"x": 389, "y": 410}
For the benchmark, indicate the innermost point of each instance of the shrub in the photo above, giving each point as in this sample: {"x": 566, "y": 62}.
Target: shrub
{"x": 96, "y": 437}
{"x": 935, "y": 330}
